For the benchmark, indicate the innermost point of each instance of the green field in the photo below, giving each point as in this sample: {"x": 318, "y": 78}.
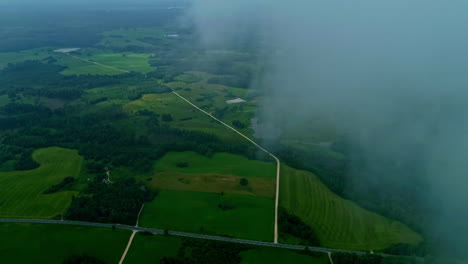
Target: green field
{"x": 210, "y": 97}
{"x": 20, "y": 56}
{"x": 251, "y": 217}
{"x": 219, "y": 163}
{"x": 220, "y": 173}
{"x": 150, "y": 249}
{"x": 279, "y": 256}
{"x": 22, "y": 195}
{"x": 339, "y": 223}
{"x": 124, "y": 61}
{"x": 124, "y": 37}
{"x": 47, "y": 243}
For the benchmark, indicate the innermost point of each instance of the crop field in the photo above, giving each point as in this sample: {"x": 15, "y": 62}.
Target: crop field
{"x": 201, "y": 213}
{"x": 124, "y": 61}
{"x": 185, "y": 116}
{"x": 219, "y": 163}
{"x": 150, "y": 249}
{"x": 47, "y": 243}
{"x": 140, "y": 37}
{"x": 220, "y": 173}
{"x": 339, "y": 223}
{"x": 22, "y": 191}
{"x": 279, "y": 256}
{"x": 20, "y": 56}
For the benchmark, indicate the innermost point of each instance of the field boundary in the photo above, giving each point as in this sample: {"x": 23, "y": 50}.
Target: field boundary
{"x": 278, "y": 164}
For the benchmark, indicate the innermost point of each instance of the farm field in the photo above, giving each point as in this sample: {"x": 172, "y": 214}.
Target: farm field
{"x": 210, "y": 97}
{"x": 24, "y": 55}
{"x": 200, "y": 212}
{"x": 219, "y": 163}
{"x": 48, "y": 243}
{"x": 22, "y": 191}
{"x": 338, "y": 223}
{"x": 190, "y": 171}
{"x": 279, "y": 256}
{"x": 124, "y": 61}
{"x": 150, "y": 249}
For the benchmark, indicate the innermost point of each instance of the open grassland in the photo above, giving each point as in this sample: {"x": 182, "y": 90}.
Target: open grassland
{"x": 184, "y": 115}
{"x": 220, "y": 173}
{"x": 280, "y": 256}
{"x": 38, "y": 243}
{"x": 124, "y": 61}
{"x": 210, "y": 97}
{"x": 150, "y": 249}
{"x": 22, "y": 191}
{"x": 141, "y": 37}
{"x": 339, "y": 223}
{"x": 247, "y": 216}
{"x": 219, "y": 163}
{"x": 24, "y": 55}
{"x": 214, "y": 183}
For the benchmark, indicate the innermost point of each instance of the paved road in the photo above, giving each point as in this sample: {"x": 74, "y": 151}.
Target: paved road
{"x": 97, "y": 63}
{"x": 278, "y": 164}
{"x": 181, "y": 234}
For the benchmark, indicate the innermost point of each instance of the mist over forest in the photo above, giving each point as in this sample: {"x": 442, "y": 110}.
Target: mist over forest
{"x": 388, "y": 77}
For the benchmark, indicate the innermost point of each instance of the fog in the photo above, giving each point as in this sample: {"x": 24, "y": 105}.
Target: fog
{"x": 391, "y": 75}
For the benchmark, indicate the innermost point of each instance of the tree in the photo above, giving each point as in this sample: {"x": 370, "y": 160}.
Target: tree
{"x": 244, "y": 182}
{"x": 167, "y": 117}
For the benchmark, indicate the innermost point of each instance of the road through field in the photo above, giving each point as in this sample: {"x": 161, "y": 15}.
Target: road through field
{"x": 184, "y": 234}
{"x": 278, "y": 164}
{"x": 131, "y": 236}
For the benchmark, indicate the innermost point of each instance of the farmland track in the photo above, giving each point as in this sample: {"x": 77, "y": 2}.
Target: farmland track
{"x": 278, "y": 164}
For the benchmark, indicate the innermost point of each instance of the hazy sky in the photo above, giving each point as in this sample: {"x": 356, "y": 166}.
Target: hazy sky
{"x": 392, "y": 74}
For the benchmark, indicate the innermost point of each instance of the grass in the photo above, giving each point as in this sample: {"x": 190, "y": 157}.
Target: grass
{"x": 209, "y": 97}
{"x": 220, "y": 173}
{"x": 150, "y": 249}
{"x": 276, "y": 255}
{"x": 251, "y": 217}
{"x": 124, "y": 61}
{"x": 21, "y": 194}
{"x": 47, "y": 243}
{"x": 214, "y": 183}
{"x": 130, "y": 37}
{"x": 219, "y": 163}
{"x": 24, "y": 55}
{"x": 339, "y": 223}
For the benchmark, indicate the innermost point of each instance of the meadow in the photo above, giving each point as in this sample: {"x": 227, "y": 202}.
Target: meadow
{"x": 22, "y": 191}
{"x": 48, "y": 243}
{"x": 219, "y": 163}
{"x": 124, "y": 61}
{"x": 338, "y": 223}
{"x": 150, "y": 249}
{"x": 245, "y": 216}
{"x": 24, "y": 55}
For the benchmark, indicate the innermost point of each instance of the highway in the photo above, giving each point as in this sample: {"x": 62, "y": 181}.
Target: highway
{"x": 135, "y": 229}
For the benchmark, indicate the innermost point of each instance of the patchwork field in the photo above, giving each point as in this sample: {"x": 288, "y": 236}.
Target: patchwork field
{"x": 124, "y": 61}
{"x": 210, "y": 97}
{"x": 150, "y": 249}
{"x": 219, "y": 163}
{"x": 20, "y": 56}
{"x": 279, "y": 256}
{"x": 38, "y": 243}
{"x": 22, "y": 191}
{"x": 339, "y": 223}
{"x": 244, "y": 216}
